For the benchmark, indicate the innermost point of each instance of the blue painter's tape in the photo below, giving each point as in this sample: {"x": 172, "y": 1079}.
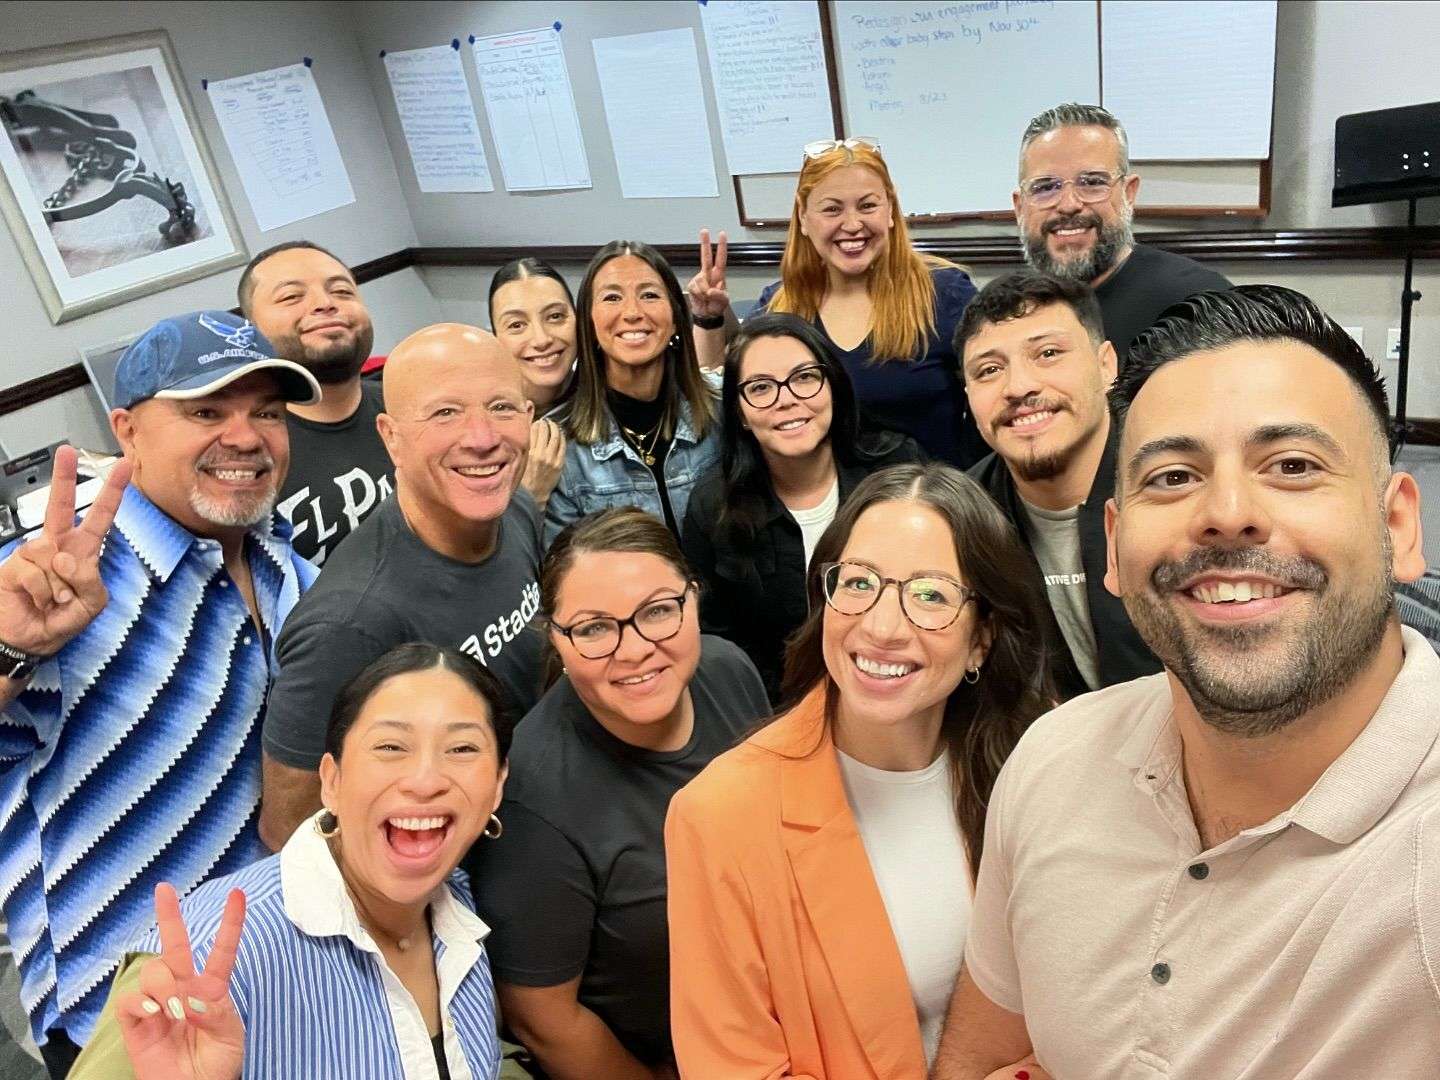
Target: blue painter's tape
{"x": 204, "y": 84}
{"x": 455, "y": 43}
{"x": 308, "y": 61}
{"x": 472, "y": 39}
{"x": 382, "y": 54}
{"x": 557, "y": 26}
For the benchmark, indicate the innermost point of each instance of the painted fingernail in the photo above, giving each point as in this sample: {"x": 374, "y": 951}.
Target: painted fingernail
{"x": 196, "y": 1005}
{"x": 176, "y": 1009}
{"x": 1022, "y": 1075}
{"x": 150, "y": 1007}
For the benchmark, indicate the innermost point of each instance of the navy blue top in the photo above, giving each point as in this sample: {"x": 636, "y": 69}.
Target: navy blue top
{"x": 922, "y": 397}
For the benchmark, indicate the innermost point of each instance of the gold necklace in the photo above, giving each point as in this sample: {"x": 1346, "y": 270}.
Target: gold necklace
{"x": 637, "y": 440}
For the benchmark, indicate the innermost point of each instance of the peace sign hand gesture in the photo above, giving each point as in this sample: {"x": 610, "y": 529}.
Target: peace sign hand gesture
{"x": 708, "y": 295}
{"x": 180, "y": 1025}
{"x": 50, "y": 587}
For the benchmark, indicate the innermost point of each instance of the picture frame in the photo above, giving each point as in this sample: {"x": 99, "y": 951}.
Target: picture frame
{"x": 106, "y": 179}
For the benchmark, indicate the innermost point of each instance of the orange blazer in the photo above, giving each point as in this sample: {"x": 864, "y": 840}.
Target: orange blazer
{"x": 782, "y": 960}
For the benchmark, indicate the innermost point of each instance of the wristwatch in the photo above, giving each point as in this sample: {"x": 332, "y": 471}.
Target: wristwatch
{"x": 18, "y": 664}
{"x": 708, "y": 322}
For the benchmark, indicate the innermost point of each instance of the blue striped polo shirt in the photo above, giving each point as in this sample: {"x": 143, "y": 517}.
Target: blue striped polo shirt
{"x": 133, "y": 756}
{"x": 317, "y": 998}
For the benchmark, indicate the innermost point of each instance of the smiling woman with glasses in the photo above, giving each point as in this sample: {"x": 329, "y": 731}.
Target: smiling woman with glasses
{"x": 821, "y": 873}
{"x": 791, "y": 450}
{"x": 575, "y": 888}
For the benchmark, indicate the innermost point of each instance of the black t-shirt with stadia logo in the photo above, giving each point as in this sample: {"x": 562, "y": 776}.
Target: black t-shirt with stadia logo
{"x": 384, "y": 587}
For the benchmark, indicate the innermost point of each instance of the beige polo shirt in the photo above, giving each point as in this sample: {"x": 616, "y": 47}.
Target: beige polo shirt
{"x": 1307, "y": 947}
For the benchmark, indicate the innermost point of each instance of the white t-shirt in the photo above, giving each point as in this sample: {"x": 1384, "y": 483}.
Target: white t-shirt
{"x": 907, "y": 824}
{"x": 816, "y": 520}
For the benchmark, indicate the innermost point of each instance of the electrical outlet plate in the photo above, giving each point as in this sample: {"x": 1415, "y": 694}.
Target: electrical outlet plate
{"x": 1392, "y": 343}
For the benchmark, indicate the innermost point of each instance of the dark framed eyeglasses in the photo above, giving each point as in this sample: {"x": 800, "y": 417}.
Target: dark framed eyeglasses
{"x": 821, "y": 147}
{"x": 929, "y": 601}
{"x": 762, "y": 391}
{"x": 1043, "y": 192}
{"x": 655, "y": 620}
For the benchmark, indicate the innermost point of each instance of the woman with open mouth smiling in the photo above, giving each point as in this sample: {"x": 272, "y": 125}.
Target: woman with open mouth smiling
{"x": 889, "y": 312}
{"x": 359, "y": 954}
{"x": 533, "y": 315}
{"x": 821, "y": 873}
{"x": 642, "y": 420}
{"x": 791, "y": 451}
{"x": 576, "y": 887}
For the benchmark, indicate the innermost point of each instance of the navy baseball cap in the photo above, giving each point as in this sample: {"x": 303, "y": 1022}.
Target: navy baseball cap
{"x": 192, "y": 355}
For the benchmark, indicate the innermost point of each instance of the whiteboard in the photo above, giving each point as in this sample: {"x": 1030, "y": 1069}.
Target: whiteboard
{"x": 1191, "y": 81}
{"x": 948, "y": 89}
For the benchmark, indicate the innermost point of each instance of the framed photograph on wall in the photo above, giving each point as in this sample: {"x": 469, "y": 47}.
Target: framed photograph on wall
{"x": 108, "y": 184}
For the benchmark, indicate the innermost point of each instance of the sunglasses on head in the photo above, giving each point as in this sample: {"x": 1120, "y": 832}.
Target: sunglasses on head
{"x": 821, "y": 147}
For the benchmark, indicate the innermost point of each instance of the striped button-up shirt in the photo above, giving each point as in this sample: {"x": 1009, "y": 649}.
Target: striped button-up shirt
{"x": 318, "y": 1000}
{"x": 133, "y": 756}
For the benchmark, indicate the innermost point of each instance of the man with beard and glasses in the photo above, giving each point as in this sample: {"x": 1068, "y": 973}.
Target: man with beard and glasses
{"x": 453, "y": 559}
{"x": 305, "y": 301}
{"x": 135, "y": 657}
{"x": 1231, "y": 869}
{"x": 1036, "y": 365}
{"x": 1075, "y": 205}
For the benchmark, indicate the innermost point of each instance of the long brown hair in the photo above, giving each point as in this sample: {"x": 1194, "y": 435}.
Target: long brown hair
{"x": 587, "y": 417}
{"x": 902, "y": 294}
{"x": 983, "y": 721}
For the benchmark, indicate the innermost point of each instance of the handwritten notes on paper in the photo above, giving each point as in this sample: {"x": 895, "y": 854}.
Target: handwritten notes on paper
{"x": 438, "y": 118}
{"x": 767, "y": 61}
{"x": 532, "y": 110}
{"x": 655, "y": 110}
{"x": 284, "y": 148}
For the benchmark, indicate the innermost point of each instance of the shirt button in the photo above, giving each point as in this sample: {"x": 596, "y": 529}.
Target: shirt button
{"x": 224, "y": 584}
{"x": 245, "y": 640}
{"x": 1199, "y": 871}
{"x": 1160, "y": 973}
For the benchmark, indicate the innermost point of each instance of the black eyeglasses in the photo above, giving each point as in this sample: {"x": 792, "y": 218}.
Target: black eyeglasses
{"x": 1044, "y": 192}
{"x": 929, "y": 601}
{"x": 762, "y": 391}
{"x": 655, "y": 620}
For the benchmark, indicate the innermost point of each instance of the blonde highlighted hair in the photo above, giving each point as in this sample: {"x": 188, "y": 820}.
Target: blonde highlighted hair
{"x": 902, "y": 293}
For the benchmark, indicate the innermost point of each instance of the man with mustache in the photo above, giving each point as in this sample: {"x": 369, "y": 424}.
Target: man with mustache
{"x": 305, "y": 301}
{"x": 452, "y": 559}
{"x": 135, "y": 659}
{"x": 1231, "y": 869}
{"x": 1036, "y": 365}
{"x": 1075, "y": 205}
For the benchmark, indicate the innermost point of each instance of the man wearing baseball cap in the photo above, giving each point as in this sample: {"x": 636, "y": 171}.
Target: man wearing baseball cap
{"x": 135, "y": 656}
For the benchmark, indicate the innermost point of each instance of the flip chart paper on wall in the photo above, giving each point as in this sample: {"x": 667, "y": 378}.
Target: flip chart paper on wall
{"x": 655, "y": 110}
{"x": 284, "y": 148}
{"x": 438, "y": 118}
{"x": 767, "y": 61}
{"x": 1191, "y": 81}
{"x": 948, "y": 88}
{"x": 531, "y": 107}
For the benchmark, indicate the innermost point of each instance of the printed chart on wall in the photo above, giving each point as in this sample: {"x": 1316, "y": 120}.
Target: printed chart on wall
{"x": 946, "y": 89}
{"x": 531, "y": 107}
{"x": 284, "y": 148}
{"x": 432, "y": 98}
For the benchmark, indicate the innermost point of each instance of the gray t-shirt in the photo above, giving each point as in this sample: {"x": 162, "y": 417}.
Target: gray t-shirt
{"x": 1055, "y": 540}
{"x": 384, "y": 587}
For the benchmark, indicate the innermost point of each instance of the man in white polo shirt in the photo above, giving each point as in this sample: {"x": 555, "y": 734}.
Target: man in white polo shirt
{"x": 1231, "y": 869}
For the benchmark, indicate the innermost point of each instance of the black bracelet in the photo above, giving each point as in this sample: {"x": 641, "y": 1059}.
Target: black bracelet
{"x": 708, "y": 322}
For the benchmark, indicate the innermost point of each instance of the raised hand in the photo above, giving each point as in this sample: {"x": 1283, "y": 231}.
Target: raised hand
{"x": 180, "y": 1025}
{"x": 547, "y": 457}
{"x": 708, "y": 295}
{"x": 50, "y": 587}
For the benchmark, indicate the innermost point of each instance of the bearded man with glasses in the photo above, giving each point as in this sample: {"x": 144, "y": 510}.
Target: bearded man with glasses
{"x": 1075, "y": 205}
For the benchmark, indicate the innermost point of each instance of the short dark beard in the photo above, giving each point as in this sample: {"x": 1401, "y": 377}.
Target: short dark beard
{"x": 1110, "y": 241}
{"x": 336, "y": 363}
{"x": 1233, "y": 688}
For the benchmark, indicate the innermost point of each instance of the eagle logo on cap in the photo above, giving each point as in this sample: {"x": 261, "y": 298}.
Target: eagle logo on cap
{"x": 239, "y": 337}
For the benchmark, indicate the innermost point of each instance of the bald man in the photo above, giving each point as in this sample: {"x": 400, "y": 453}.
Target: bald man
{"x": 453, "y": 559}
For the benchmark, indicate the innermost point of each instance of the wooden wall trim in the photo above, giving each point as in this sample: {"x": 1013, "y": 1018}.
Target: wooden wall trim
{"x": 1001, "y": 249}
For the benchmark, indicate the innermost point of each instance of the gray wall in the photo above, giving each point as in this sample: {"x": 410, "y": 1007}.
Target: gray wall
{"x": 213, "y": 40}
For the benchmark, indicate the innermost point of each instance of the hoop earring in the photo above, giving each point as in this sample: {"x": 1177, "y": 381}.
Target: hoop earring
{"x": 972, "y": 675}
{"x": 495, "y": 824}
{"x": 327, "y": 824}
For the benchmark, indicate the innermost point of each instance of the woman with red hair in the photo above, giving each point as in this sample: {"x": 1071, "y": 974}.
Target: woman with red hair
{"x": 888, "y": 311}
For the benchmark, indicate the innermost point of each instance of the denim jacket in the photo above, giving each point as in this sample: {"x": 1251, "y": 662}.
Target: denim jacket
{"x": 606, "y": 473}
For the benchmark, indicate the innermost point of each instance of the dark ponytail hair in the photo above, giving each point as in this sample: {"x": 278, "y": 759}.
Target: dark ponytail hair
{"x": 983, "y": 721}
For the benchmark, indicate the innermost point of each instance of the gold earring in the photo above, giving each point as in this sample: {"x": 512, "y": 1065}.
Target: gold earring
{"x": 972, "y": 675}
{"x": 496, "y": 825}
{"x": 326, "y": 823}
